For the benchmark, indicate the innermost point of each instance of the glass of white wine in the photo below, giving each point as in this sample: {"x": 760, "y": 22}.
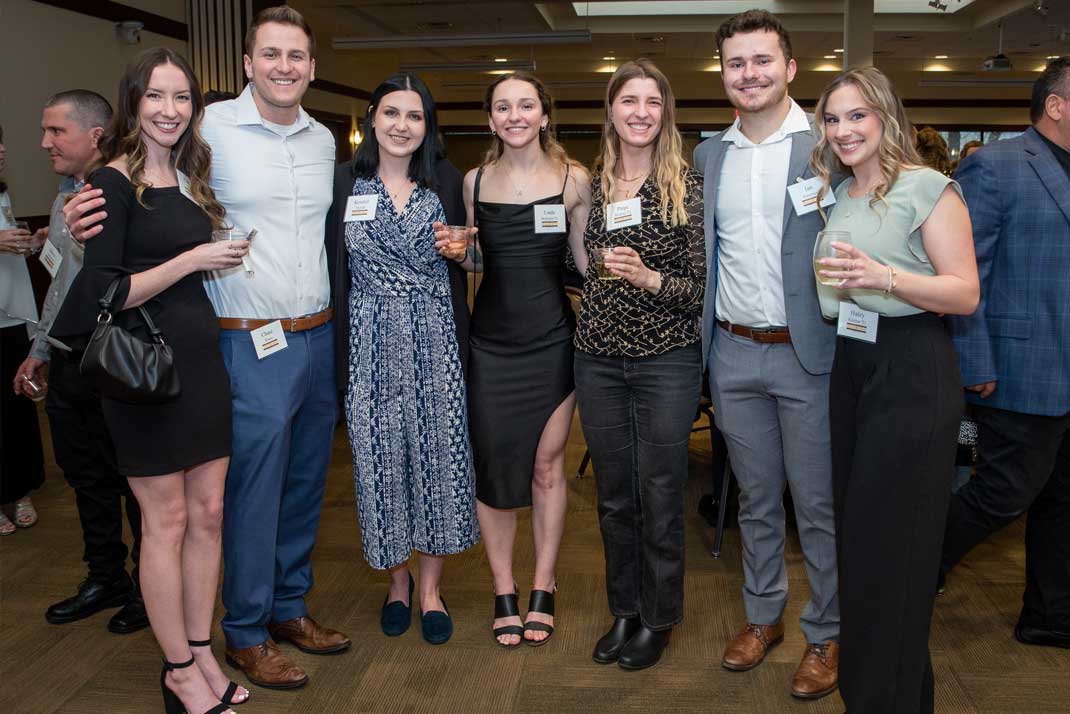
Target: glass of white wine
{"x": 823, "y": 249}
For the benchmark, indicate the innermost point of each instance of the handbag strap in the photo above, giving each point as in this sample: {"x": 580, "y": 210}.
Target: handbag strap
{"x": 107, "y": 312}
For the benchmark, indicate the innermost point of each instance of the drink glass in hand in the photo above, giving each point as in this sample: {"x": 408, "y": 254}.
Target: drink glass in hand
{"x": 235, "y": 234}
{"x": 823, "y": 249}
{"x": 33, "y": 390}
{"x": 600, "y": 268}
{"x": 24, "y": 249}
{"x": 458, "y": 240}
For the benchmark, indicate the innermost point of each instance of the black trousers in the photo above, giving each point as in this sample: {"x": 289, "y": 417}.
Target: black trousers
{"x": 22, "y": 459}
{"x": 85, "y": 452}
{"x": 1023, "y": 466}
{"x": 895, "y": 408}
{"x": 637, "y": 414}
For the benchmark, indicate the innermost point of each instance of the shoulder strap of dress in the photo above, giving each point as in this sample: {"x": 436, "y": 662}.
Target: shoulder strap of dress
{"x": 475, "y": 197}
{"x": 568, "y": 167}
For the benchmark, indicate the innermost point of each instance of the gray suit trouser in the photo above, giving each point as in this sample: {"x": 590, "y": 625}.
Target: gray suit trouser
{"x": 774, "y": 416}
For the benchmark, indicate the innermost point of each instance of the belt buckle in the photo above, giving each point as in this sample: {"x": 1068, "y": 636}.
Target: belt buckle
{"x": 292, "y": 322}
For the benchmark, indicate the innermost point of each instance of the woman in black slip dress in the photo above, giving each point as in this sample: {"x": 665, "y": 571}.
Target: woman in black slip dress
{"x": 529, "y": 203}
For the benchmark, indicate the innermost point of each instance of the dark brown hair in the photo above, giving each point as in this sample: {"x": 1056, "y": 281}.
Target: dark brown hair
{"x": 754, "y": 21}
{"x": 933, "y": 150}
{"x": 283, "y": 15}
{"x": 190, "y": 154}
{"x": 547, "y": 138}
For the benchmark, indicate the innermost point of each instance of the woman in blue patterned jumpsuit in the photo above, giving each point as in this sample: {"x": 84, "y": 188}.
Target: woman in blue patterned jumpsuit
{"x": 405, "y": 403}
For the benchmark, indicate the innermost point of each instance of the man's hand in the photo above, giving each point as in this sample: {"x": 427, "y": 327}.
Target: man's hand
{"x": 31, "y": 368}
{"x": 83, "y": 215}
{"x": 984, "y": 389}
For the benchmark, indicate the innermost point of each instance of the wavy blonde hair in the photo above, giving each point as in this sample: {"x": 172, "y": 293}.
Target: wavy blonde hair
{"x": 547, "y": 139}
{"x": 896, "y": 150}
{"x": 668, "y": 160}
{"x": 190, "y": 154}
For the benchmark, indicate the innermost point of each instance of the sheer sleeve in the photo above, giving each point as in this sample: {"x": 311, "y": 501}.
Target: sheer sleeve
{"x": 686, "y": 289}
{"x": 103, "y": 260}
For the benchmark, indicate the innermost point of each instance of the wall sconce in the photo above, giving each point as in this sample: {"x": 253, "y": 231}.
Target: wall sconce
{"x": 355, "y": 138}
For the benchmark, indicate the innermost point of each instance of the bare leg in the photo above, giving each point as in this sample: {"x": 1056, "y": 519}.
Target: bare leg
{"x": 399, "y": 584}
{"x": 430, "y": 577}
{"x": 200, "y": 565}
{"x": 549, "y": 500}
{"x": 163, "y": 532}
{"x": 498, "y": 527}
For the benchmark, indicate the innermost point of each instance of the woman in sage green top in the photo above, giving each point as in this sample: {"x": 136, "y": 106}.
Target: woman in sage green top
{"x": 895, "y": 401}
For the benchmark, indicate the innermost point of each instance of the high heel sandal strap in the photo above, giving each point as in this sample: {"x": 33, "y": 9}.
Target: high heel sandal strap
{"x": 506, "y": 606}
{"x": 171, "y": 666}
{"x": 200, "y": 643}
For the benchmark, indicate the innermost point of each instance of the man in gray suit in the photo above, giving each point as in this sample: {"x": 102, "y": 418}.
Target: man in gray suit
{"x": 767, "y": 348}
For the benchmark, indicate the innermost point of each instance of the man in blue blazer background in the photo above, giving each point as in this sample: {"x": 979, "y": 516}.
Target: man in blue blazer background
{"x": 1014, "y": 354}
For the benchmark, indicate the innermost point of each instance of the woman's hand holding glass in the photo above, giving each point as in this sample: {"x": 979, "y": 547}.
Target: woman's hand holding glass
{"x": 219, "y": 255}
{"x": 856, "y": 269}
{"x": 452, "y": 241}
{"x": 625, "y": 263}
{"x": 16, "y": 241}
{"x": 83, "y": 213}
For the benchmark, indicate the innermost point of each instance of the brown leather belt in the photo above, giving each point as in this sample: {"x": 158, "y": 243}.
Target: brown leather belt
{"x": 777, "y": 335}
{"x": 289, "y": 324}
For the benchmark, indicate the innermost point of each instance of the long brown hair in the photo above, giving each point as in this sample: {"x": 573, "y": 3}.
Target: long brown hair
{"x": 896, "y": 150}
{"x": 190, "y": 154}
{"x": 668, "y": 159}
{"x": 547, "y": 138}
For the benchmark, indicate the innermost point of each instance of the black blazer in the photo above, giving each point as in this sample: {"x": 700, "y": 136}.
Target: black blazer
{"x": 450, "y": 193}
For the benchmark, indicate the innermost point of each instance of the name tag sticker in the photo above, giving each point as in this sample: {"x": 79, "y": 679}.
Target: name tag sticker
{"x": 361, "y": 208}
{"x": 550, "y": 218}
{"x": 856, "y": 323}
{"x": 51, "y": 258}
{"x": 268, "y": 339}
{"x": 804, "y": 195}
{"x": 624, "y": 213}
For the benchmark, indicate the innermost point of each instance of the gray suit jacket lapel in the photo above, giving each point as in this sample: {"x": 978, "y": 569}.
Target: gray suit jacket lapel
{"x": 798, "y": 167}
{"x": 713, "y": 183}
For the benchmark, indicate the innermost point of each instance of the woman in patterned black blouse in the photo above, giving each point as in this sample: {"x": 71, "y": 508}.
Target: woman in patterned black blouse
{"x": 638, "y": 369}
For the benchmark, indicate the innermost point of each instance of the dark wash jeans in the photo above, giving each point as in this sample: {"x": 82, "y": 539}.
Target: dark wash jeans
{"x": 637, "y": 414}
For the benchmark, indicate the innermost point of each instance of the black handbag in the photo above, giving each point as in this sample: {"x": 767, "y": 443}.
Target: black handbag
{"x": 124, "y": 367}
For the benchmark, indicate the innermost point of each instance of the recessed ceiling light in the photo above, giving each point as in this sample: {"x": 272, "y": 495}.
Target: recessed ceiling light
{"x": 827, "y": 67}
{"x": 839, "y": 51}
{"x": 713, "y": 68}
{"x": 939, "y": 56}
{"x": 717, "y": 57}
{"x": 609, "y": 58}
{"x": 937, "y": 68}
{"x": 831, "y": 57}
{"x": 501, "y": 59}
{"x": 1052, "y": 57}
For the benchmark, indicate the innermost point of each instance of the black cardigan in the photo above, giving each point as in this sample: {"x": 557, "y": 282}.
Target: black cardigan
{"x": 450, "y": 193}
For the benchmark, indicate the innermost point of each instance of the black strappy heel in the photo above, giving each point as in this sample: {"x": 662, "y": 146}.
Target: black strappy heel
{"x": 232, "y": 687}
{"x": 171, "y": 703}
{"x": 541, "y": 601}
{"x": 506, "y": 606}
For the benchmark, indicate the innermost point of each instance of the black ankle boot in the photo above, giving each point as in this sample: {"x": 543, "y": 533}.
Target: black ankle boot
{"x": 644, "y": 648}
{"x": 93, "y": 596}
{"x": 608, "y": 648}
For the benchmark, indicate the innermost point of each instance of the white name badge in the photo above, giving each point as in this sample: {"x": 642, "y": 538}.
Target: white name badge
{"x": 268, "y": 339}
{"x": 361, "y": 208}
{"x": 624, "y": 213}
{"x": 804, "y": 195}
{"x": 51, "y": 258}
{"x": 550, "y": 218}
{"x": 856, "y": 323}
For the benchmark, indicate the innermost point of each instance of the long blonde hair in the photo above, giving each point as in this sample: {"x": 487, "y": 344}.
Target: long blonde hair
{"x": 896, "y": 150}
{"x": 668, "y": 159}
{"x": 189, "y": 155}
{"x": 547, "y": 137}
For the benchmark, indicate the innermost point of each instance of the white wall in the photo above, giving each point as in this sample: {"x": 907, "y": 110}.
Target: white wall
{"x": 44, "y": 50}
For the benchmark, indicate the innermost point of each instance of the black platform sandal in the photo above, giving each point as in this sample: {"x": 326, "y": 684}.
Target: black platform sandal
{"x": 232, "y": 687}
{"x": 506, "y": 606}
{"x": 171, "y": 703}
{"x": 541, "y": 601}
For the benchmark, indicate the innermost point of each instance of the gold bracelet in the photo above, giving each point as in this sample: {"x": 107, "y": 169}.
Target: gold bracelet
{"x": 892, "y": 275}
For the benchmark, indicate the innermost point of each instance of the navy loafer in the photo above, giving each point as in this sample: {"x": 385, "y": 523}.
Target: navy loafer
{"x": 437, "y": 626}
{"x": 397, "y": 616}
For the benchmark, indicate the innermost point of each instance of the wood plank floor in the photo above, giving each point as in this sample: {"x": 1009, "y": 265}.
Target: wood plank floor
{"x": 82, "y": 669}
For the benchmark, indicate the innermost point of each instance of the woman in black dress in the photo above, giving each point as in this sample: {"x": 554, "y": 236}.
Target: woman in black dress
{"x": 156, "y": 242}
{"x": 529, "y": 202}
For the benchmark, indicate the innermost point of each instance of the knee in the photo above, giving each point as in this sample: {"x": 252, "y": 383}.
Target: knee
{"x": 549, "y": 474}
{"x": 206, "y": 517}
{"x": 166, "y": 523}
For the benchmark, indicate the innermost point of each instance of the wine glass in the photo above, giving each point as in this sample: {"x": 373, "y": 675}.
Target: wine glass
{"x": 823, "y": 249}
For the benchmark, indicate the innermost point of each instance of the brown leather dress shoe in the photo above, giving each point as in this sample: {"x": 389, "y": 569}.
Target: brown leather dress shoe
{"x": 749, "y": 647}
{"x": 307, "y": 636}
{"x": 818, "y": 673}
{"x": 266, "y": 666}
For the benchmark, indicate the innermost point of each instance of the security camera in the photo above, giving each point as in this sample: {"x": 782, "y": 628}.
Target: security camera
{"x": 130, "y": 32}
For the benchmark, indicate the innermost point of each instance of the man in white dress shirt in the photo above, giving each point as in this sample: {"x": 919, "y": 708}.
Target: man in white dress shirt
{"x": 767, "y": 348}
{"x": 273, "y": 171}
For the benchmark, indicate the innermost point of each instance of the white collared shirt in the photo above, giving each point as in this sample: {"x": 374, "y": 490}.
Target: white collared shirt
{"x": 278, "y": 180}
{"x": 750, "y": 221}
